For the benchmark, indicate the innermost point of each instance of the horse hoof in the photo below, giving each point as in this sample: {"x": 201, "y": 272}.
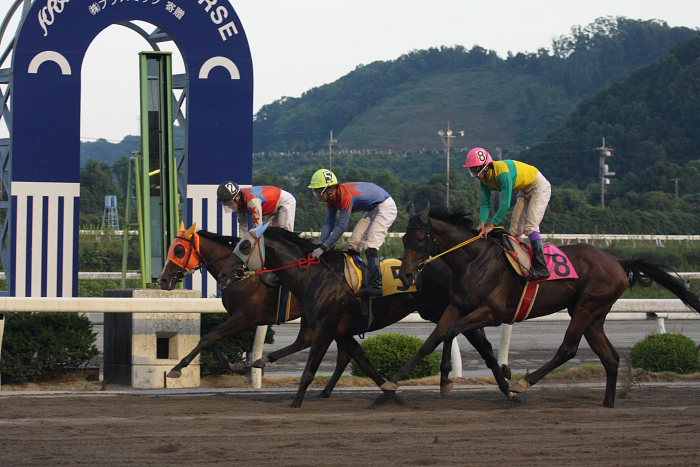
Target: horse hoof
{"x": 389, "y": 386}
{"x": 520, "y": 386}
{"x": 446, "y": 389}
{"x": 505, "y": 370}
{"x": 174, "y": 374}
{"x": 260, "y": 362}
{"x": 513, "y": 396}
{"x": 324, "y": 395}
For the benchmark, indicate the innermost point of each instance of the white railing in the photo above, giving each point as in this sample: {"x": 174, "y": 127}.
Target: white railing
{"x": 623, "y": 309}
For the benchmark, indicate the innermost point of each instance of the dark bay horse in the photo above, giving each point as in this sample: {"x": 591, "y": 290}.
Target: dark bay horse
{"x": 485, "y": 291}
{"x": 250, "y": 302}
{"x": 332, "y": 310}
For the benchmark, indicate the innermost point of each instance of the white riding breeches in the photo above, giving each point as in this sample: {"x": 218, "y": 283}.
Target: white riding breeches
{"x": 530, "y": 206}
{"x": 372, "y": 228}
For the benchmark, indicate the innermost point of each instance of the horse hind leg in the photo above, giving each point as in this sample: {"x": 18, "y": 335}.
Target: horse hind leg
{"x": 566, "y": 351}
{"x": 595, "y": 335}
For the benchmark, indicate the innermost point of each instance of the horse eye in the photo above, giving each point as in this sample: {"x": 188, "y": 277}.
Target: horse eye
{"x": 179, "y": 251}
{"x": 244, "y": 247}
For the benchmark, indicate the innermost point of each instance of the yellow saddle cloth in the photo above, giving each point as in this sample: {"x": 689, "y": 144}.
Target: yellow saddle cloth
{"x": 391, "y": 284}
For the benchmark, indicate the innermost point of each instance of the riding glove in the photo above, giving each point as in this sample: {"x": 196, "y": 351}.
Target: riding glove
{"x": 317, "y": 252}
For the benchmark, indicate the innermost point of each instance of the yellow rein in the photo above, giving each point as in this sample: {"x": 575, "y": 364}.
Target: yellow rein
{"x": 460, "y": 245}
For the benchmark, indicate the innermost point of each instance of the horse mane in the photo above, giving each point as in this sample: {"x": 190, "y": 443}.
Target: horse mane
{"x": 306, "y": 245}
{"x": 226, "y": 240}
{"x": 457, "y": 218}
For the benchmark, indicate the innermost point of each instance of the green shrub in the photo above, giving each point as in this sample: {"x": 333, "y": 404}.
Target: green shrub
{"x": 233, "y": 347}
{"x": 389, "y": 352}
{"x": 666, "y": 352}
{"x": 41, "y": 346}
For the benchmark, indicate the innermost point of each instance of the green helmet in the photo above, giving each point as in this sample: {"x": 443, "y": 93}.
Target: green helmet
{"x": 323, "y": 178}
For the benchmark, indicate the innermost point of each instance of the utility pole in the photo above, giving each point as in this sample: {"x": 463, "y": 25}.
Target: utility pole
{"x": 447, "y": 137}
{"x": 330, "y": 150}
{"x": 675, "y": 182}
{"x": 604, "y": 152}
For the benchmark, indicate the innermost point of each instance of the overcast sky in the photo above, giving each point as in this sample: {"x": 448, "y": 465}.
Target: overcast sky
{"x": 299, "y": 45}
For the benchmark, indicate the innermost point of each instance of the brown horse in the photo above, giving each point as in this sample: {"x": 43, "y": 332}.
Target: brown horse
{"x": 485, "y": 291}
{"x": 250, "y": 302}
{"x": 331, "y": 309}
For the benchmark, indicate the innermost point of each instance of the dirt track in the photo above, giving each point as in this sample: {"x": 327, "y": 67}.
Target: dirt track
{"x": 652, "y": 425}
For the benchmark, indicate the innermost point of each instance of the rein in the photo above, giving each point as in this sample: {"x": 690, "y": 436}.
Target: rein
{"x": 302, "y": 263}
{"x": 460, "y": 245}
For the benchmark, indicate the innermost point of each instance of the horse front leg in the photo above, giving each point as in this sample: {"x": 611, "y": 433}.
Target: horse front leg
{"x": 448, "y": 317}
{"x": 235, "y": 324}
{"x": 319, "y": 346}
{"x": 501, "y": 373}
{"x": 302, "y": 342}
{"x": 446, "y": 384}
{"x": 341, "y": 362}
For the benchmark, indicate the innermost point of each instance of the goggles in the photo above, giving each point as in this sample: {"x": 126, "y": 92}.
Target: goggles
{"x": 477, "y": 170}
{"x": 318, "y": 192}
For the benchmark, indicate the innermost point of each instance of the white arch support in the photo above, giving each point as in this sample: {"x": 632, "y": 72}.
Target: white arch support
{"x": 49, "y": 56}
{"x": 219, "y": 62}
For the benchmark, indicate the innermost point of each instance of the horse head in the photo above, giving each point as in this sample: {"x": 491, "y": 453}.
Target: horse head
{"x": 249, "y": 255}
{"x": 183, "y": 257}
{"x": 418, "y": 244}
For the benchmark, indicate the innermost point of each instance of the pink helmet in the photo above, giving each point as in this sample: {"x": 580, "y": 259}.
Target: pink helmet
{"x": 477, "y": 157}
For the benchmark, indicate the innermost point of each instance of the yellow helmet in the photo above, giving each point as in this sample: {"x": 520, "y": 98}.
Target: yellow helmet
{"x": 323, "y": 178}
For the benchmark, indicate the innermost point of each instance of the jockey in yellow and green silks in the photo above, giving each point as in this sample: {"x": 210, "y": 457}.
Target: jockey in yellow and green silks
{"x": 532, "y": 196}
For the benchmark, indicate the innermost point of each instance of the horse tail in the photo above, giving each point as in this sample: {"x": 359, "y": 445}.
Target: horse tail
{"x": 644, "y": 272}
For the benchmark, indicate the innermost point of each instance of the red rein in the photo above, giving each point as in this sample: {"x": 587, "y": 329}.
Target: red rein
{"x": 302, "y": 263}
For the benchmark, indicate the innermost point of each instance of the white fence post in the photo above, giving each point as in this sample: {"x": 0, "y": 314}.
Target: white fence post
{"x": 258, "y": 345}
{"x": 456, "y": 358}
{"x": 504, "y": 348}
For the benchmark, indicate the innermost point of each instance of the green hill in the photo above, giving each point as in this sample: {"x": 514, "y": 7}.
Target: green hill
{"x": 512, "y": 102}
{"x": 650, "y": 118}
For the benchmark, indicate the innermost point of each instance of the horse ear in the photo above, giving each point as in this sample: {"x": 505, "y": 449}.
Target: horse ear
{"x": 190, "y": 231}
{"x": 182, "y": 226}
{"x": 411, "y": 209}
{"x": 425, "y": 214}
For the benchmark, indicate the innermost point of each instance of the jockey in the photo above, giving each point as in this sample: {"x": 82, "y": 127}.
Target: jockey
{"x": 371, "y": 229}
{"x": 533, "y": 192}
{"x": 258, "y": 203}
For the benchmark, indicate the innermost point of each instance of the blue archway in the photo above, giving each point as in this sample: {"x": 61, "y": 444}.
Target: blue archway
{"x": 44, "y": 151}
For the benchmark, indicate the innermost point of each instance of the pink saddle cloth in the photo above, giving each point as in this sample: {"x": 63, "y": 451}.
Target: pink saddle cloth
{"x": 519, "y": 255}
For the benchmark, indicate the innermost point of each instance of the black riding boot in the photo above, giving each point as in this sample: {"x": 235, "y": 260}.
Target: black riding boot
{"x": 539, "y": 266}
{"x": 372, "y": 284}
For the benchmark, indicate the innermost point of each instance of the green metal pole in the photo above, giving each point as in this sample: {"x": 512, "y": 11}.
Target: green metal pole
{"x": 127, "y": 219}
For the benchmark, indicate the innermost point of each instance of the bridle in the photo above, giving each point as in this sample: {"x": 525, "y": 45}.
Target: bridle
{"x": 188, "y": 263}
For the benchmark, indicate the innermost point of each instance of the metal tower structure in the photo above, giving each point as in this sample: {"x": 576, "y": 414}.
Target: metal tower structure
{"x": 110, "y": 216}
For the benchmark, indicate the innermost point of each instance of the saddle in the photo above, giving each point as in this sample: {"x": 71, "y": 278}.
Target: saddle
{"x": 519, "y": 256}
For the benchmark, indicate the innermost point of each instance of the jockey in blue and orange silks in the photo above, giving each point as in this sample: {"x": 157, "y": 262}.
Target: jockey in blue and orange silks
{"x": 369, "y": 233}
{"x": 255, "y": 204}
{"x": 532, "y": 196}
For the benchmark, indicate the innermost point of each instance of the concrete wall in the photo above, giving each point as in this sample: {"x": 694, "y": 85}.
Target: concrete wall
{"x": 140, "y": 348}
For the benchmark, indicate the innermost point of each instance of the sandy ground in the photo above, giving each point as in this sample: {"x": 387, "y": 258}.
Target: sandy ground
{"x": 652, "y": 424}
